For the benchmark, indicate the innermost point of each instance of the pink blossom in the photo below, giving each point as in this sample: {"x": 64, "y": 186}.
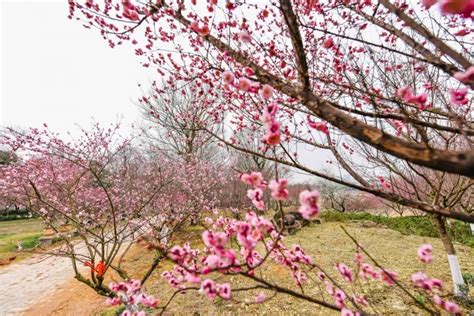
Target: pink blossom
{"x": 367, "y": 272}
{"x": 228, "y": 77}
{"x": 149, "y": 301}
{"x": 248, "y": 71}
{"x": 272, "y": 137}
{"x": 245, "y": 37}
{"x": 339, "y": 297}
{"x": 345, "y": 272}
{"x": 428, "y": 3}
{"x": 406, "y": 93}
{"x": 129, "y": 11}
{"x": 201, "y": 30}
{"x": 113, "y": 301}
{"x": 269, "y": 113}
{"x": 279, "y": 190}
{"x": 346, "y": 312}
{"x": 319, "y": 126}
{"x": 436, "y": 283}
{"x": 214, "y": 239}
{"x": 135, "y": 285}
{"x": 462, "y": 7}
{"x": 209, "y": 288}
{"x": 177, "y": 253}
{"x": 408, "y": 96}
{"x": 384, "y": 182}
{"x": 192, "y": 278}
{"x": 459, "y": 96}
{"x": 328, "y": 43}
{"x": 451, "y": 307}
{"x": 212, "y": 262}
{"x": 422, "y": 281}
{"x": 204, "y": 30}
{"x": 257, "y": 198}
{"x": 260, "y": 298}
{"x": 465, "y": 77}
{"x": 448, "y": 306}
{"x": 131, "y": 15}
{"x": 309, "y": 204}
{"x": 425, "y": 252}
{"x": 254, "y": 179}
{"x": 244, "y": 84}
{"x": 225, "y": 291}
{"x": 267, "y": 91}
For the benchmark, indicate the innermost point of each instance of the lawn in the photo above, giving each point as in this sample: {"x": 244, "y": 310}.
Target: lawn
{"x": 27, "y": 231}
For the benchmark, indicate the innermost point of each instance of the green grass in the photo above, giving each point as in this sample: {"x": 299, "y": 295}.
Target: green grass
{"x": 25, "y": 231}
{"x": 408, "y": 225}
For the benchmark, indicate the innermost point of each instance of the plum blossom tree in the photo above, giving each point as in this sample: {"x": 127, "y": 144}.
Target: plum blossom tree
{"x": 176, "y": 123}
{"x": 107, "y": 192}
{"x": 315, "y": 58}
{"x": 300, "y": 74}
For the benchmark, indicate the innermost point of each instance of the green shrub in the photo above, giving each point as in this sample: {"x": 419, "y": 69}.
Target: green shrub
{"x": 30, "y": 242}
{"x": 408, "y": 225}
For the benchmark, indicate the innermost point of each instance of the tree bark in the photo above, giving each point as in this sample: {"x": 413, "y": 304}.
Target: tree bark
{"x": 456, "y": 274}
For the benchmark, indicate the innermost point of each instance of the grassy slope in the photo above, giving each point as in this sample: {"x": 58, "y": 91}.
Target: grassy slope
{"x": 27, "y": 231}
{"x": 326, "y": 243}
{"x": 407, "y": 225}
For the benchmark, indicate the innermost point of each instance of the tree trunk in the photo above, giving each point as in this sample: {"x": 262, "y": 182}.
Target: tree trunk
{"x": 472, "y": 228}
{"x": 456, "y": 274}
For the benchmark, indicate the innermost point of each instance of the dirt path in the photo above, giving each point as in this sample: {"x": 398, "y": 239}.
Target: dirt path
{"x": 32, "y": 280}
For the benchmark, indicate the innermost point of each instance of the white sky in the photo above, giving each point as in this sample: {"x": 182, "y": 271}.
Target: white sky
{"x": 56, "y": 72}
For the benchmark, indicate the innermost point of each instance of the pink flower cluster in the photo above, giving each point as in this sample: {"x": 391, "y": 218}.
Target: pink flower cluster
{"x": 202, "y": 30}
{"x": 243, "y": 83}
{"x": 255, "y": 179}
{"x": 425, "y": 252}
{"x": 448, "y": 306}
{"x": 272, "y": 126}
{"x": 220, "y": 256}
{"x": 129, "y": 11}
{"x": 256, "y": 195}
{"x": 345, "y": 272}
{"x": 309, "y": 207}
{"x": 319, "y": 126}
{"x": 211, "y": 289}
{"x": 129, "y": 293}
{"x": 466, "y": 76}
{"x": 279, "y": 189}
{"x": 422, "y": 281}
{"x": 459, "y": 96}
{"x": 406, "y": 93}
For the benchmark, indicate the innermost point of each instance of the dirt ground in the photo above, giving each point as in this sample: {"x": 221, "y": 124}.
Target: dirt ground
{"x": 326, "y": 243}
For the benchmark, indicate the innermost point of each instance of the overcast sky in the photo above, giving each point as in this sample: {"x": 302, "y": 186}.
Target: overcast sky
{"x": 56, "y": 72}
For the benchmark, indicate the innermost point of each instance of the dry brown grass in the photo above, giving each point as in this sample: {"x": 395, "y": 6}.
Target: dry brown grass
{"x": 327, "y": 244}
